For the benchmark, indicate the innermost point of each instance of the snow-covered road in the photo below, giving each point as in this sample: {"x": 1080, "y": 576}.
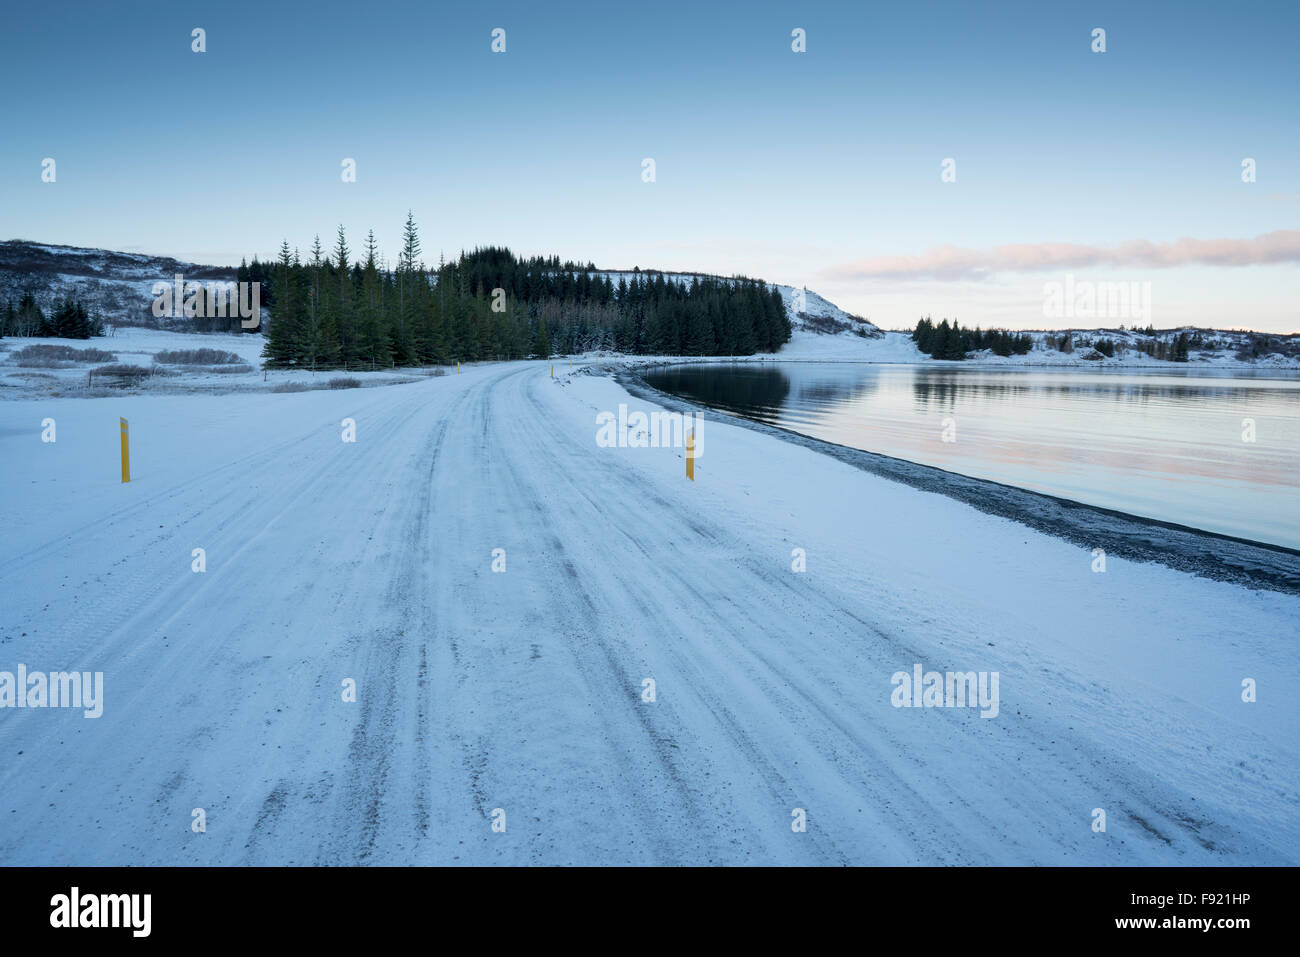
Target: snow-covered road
{"x": 522, "y": 690}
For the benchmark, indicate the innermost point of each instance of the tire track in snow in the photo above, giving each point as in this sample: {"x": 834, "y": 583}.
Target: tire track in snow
{"x": 521, "y": 690}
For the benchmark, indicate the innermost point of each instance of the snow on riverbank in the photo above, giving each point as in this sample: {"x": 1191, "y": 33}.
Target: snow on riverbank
{"x": 894, "y": 347}
{"x": 131, "y": 345}
{"x": 524, "y": 690}
{"x": 898, "y": 348}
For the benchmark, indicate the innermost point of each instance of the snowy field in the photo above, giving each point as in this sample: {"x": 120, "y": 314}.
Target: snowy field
{"x": 136, "y": 346}
{"x": 141, "y": 347}
{"x": 518, "y": 695}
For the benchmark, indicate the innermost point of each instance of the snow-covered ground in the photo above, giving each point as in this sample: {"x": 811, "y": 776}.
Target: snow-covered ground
{"x": 120, "y": 285}
{"x": 136, "y": 346}
{"x": 893, "y": 347}
{"x": 897, "y": 347}
{"x": 523, "y": 690}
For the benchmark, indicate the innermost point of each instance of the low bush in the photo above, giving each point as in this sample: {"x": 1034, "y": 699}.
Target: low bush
{"x": 58, "y": 357}
{"x": 34, "y": 376}
{"x": 122, "y": 373}
{"x": 828, "y": 325}
{"x": 197, "y": 357}
{"x": 226, "y": 370}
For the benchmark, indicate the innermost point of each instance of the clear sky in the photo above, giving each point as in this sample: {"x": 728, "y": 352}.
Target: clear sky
{"x": 820, "y": 168}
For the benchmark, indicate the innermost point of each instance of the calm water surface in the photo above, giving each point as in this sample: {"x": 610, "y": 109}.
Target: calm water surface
{"x": 1156, "y": 443}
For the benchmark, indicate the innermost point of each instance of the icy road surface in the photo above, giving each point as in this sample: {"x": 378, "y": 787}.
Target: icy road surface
{"x": 522, "y": 690}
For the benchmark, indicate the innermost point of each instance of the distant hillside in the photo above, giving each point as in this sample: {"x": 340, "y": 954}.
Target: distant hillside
{"x": 1179, "y": 344}
{"x": 811, "y": 313}
{"x": 1097, "y": 348}
{"x": 117, "y": 285}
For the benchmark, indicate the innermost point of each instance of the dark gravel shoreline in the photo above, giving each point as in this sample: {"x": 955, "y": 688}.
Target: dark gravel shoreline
{"x": 1131, "y": 537}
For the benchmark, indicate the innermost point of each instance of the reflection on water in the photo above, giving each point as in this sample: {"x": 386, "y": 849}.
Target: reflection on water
{"x": 759, "y": 388}
{"x": 1164, "y": 444}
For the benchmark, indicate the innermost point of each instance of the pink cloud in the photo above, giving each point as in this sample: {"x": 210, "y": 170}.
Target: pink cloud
{"x": 954, "y": 262}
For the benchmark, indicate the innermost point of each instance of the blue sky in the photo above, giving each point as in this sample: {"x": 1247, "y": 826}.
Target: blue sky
{"x": 812, "y": 168}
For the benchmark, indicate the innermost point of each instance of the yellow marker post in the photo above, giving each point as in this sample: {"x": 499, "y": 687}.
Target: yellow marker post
{"x": 552, "y": 372}
{"x": 126, "y": 453}
{"x": 690, "y": 456}
{"x": 457, "y": 367}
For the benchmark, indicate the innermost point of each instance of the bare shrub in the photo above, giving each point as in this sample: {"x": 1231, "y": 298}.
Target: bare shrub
{"x": 226, "y": 370}
{"x": 344, "y": 382}
{"x": 197, "y": 357}
{"x": 121, "y": 374}
{"x": 824, "y": 324}
{"x": 34, "y": 376}
{"x": 58, "y": 357}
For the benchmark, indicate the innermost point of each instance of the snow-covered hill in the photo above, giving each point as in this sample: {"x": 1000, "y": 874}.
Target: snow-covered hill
{"x": 1220, "y": 349}
{"x": 117, "y": 285}
{"x": 808, "y": 311}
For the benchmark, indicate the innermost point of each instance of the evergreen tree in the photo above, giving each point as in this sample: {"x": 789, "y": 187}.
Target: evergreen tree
{"x": 541, "y": 343}
{"x": 283, "y": 340}
{"x": 333, "y": 310}
{"x": 403, "y": 329}
{"x": 344, "y": 311}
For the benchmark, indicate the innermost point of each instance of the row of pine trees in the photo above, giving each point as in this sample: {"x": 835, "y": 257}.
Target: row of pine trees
{"x": 67, "y": 319}
{"x": 337, "y": 310}
{"x": 951, "y": 341}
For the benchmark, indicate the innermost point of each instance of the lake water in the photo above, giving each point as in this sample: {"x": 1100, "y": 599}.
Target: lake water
{"x": 1161, "y": 444}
